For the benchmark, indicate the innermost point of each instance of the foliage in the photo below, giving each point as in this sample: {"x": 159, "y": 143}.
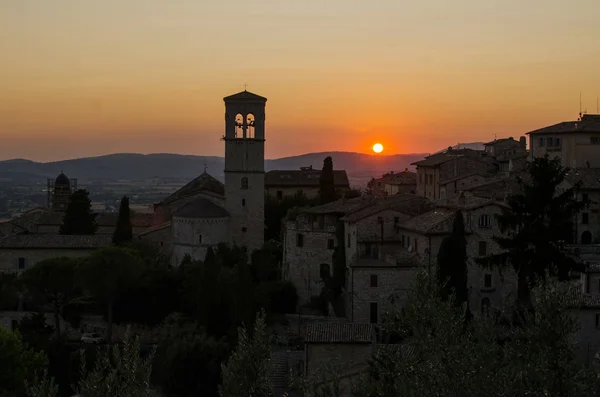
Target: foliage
{"x": 326, "y": 182}
{"x": 325, "y": 383}
{"x": 106, "y": 273}
{"x": 246, "y": 373}
{"x": 42, "y": 386}
{"x": 124, "y": 229}
{"x": 535, "y": 225}
{"x": 485, "y": 357}
{"x": 276, "y": 211}
{"x": 229, "y": 256}
{"x": 353, "y": 193}
{"x": 79, "y": 218}
{"x": 278, "y": 297}
{"x": 264, "y": 263}
{"x": 54, "y": 280}
{"x": 18, "y": 362}
{"x": 35, "y": 332}
{"x": 452, "y": 262}
{"x": 119, "y": 371}
{"x": 188, "y": 363}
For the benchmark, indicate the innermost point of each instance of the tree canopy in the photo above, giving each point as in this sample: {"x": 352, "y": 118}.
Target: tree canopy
{"x": 18, "y": 362}
{"x": 124, "y": 230}
{"x": 326, "y": 182}
{"x": 79, "y": 218}
{"x": 536, "y": 223}
{"x": 452, "y": 262}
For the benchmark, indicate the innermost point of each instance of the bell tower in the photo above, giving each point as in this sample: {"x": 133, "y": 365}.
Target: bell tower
{"x": 245, "y": 168}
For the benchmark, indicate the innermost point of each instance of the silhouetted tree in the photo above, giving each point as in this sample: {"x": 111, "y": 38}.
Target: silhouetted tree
{"x": 79, "y": 218}
{"x": 326, "y": 182}
{"x": 123, "y": 232}
{"x": 452, "y": 262}
{"x": 535, "y": 224}
{"x": 18, "y": 363}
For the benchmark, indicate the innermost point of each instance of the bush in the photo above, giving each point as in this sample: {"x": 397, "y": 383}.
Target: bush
{"x": 279, "y": 297}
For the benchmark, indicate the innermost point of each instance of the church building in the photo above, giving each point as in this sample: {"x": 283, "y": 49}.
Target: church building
{"x": 206, "y": 212}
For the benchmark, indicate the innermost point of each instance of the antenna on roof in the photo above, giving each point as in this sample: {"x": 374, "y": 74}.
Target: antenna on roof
{"x": 597, "y": 107}
{"x": 579, "y": 105}
{"x": 205, "y": 168}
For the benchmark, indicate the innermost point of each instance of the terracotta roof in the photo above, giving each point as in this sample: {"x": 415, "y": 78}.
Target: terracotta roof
{"x": 579, "y": 300}
{"x": 588, "y": 123}
{"x": 409, "y": 204}
{"x": 140, "y": 219}
{"x": 400, "y": 178}
{"x": 245, "y": 96}
{"x": 308, "y": 178}
{"x": 341, "y": 206}
{"x": 501, "y": 140}
{"x": 589, "y": 177}
{"x": 55, "y": 241}
{"x": 155, "y": 228}
{"x": 458, "y": 178}
{"x": 496, "y": 189}
{"x": 29, "y": 219}
{"x": 201, "y": 208}
{"x": 338, "y": 333}
{"x": 439, "y": 220}
{"x": 204, "y": 182}
{"x": 449, "y": 155}
{"x": 468, "y": 201}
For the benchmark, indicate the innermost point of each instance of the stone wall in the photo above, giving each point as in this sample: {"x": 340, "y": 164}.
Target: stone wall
{"x": 193, "y": 236}
{"x": 246, "y": 208}
{"x": 302, "y": 264}
{"x": 9, "y": 257}
{"x": 162, "y": 237}
{"x": 452, "y": 189}
{"x": 588, "y": 336}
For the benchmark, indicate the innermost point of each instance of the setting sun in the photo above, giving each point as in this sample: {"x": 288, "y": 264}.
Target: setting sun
{"x": 378, "y": 148}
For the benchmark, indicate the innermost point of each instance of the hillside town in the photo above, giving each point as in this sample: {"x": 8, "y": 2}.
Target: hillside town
{"x": 350, "y": 257}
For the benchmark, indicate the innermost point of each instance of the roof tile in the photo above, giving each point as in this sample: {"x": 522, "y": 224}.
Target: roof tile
{"x": 307, "y": 178}
{"x": 339, "y": 333}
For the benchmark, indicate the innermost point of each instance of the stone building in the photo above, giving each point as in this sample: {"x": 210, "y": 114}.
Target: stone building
{"x": 587, "y": 222}
{"x": 288, "y": 183}
{"x": 59, "y": 192}
{"x": 506, "y": 147}
{"x": 435, "y": 170}
{"x": 576, "y": 143}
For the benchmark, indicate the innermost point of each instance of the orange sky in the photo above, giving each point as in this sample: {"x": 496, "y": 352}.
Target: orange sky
{"x": 87, "y": 77}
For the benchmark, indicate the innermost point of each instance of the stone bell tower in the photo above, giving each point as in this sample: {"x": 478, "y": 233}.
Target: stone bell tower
{"x": 245, "y": 168}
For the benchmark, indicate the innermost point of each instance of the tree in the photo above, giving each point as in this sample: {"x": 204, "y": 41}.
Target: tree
{"x": 536, "y": 223}
{"x": 487, "y": 357}
{"x": 9, "y": 291}
{"x": 54, "y": 280}
{"x": 326, "y": 182}
{"x": 105, "y": 273}
{"x": 246, "y": 373}
{"x": 35, "y": 331}
{"x": 18, "y": 362}
{"x": 123, "y": 231}
{"x": 452, "y": 262}
{"x": 79, "y": 218}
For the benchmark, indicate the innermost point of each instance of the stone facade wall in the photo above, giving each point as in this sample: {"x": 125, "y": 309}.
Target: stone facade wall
{"x": 302, "y": 264}
{"x": 593, "y": 218}
{"x": 452, "y": 189}
{"x": 588, "y": 336}
{"x": 193, "y": 236}
{"x": 246, "y": 208}
{"x": 575, "y": 149}
{"x": 389, "y": 294}
{"x": 372, "y": 229}
{"x": 424, "y": 187}
{"x": 399, "y": 189}
{"x": 9, "y": 257}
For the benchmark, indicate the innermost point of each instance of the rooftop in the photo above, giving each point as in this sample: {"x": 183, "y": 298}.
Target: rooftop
{"x": 304, "y": 177}
{"x": 409, "y": 204}
{"x": 201, "y": 208}
{"x": 204, "y": 182}
{"x": 400, "y": 178}
{"x": 449, "y": 155}
{"x": 55, "y": 241}
{"x": 339, "y": 333}
{"x": 437, "y": 221}
{"x": 50, "y": 217}
{"x": 501, "y": 140}
{"x": 579, "y": 300}
{"x": 588, "y": 123}
{"x": 341, "y": 206}
{"x": 245, "y": 96}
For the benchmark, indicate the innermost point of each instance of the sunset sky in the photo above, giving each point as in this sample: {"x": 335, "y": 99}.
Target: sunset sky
{"x": 91, "y": 77}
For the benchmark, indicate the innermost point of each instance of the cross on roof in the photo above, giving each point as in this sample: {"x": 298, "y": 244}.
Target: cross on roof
{"x": 245, "y": 86}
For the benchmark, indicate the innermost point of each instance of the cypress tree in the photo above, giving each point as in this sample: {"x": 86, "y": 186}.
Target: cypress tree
{"x": 452, "y": 262}
{"x": 79, "y": 218}
{"x": 326, "y": 182}
{"x": 123, "y": 231}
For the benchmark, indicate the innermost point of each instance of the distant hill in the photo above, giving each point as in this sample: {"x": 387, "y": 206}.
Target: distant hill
{"x": 360, "y": 167}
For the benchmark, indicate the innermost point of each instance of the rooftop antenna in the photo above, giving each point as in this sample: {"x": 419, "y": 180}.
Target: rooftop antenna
{"x": 205, "y": 168}
{"x": 579, "y": 105}
{"x": 597, "y": 107}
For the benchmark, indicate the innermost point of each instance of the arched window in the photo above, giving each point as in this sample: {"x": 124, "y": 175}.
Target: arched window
{"x": 239, "y": 125}
{"x": 485, "y": 221}
{"x": 250, "y": 125}
{"x": 244, "y": 183}
{"x": 325, "y": 271}
{"x": 485, "y": 306}
{"x": 586, "y": 237}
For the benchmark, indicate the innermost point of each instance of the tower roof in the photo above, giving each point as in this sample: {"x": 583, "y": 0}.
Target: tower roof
{"x": 245, "y": 96}
{"x": 62, "y": 179}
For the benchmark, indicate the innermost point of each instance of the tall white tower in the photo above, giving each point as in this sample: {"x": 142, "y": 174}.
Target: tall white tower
{"x": 245, "y": 168}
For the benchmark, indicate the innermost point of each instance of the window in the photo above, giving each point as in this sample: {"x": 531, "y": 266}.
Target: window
{"x": 299, "y": 240}
{"x": 243, "y": 202}
{"x": 585, "y": 197}
{"x": 330, "y": 244}
{"x": 487, "y": 281}
{"x": 485, "y": 306}
{"x": 542, "y": 141}
{"x": 324, "y": 271}
{"x": 199, "y": 239}
{"x": 379, "y": 219}
{"x": 349, "y": 242}
{"x": 485, "y": 221}
{"x": 482, "y": 248}
{"x": 396, "y": 219}
{"x": 597, "y": 320}
{"x": 244, "y": 229}
{"x": 162, "y": 243}
{"x": 244, "y": 183}
{"x": 557, "y": 142}
{"x": 403, "y": 240}
{"x": 279, "y": 195}
{"x": 585, "y": 218}
{"x": 550, "y": 142}
{"x": 21, "y": 263}
{"x": 373, "y": 313}
{"x": 374, "y": 280}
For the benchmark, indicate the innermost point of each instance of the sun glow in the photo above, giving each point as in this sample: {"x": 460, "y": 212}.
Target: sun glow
{"x": 378, "y": 148}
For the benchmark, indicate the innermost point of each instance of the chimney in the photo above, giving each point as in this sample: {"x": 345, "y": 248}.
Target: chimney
{"x": 523, "y": 142}
{"x": 406, "y": 170}
{"x": 449, "y": 148}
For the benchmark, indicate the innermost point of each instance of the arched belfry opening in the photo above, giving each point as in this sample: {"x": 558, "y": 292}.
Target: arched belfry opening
{"x": 239, "y": 125}
{"x": 249, "y": 126}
